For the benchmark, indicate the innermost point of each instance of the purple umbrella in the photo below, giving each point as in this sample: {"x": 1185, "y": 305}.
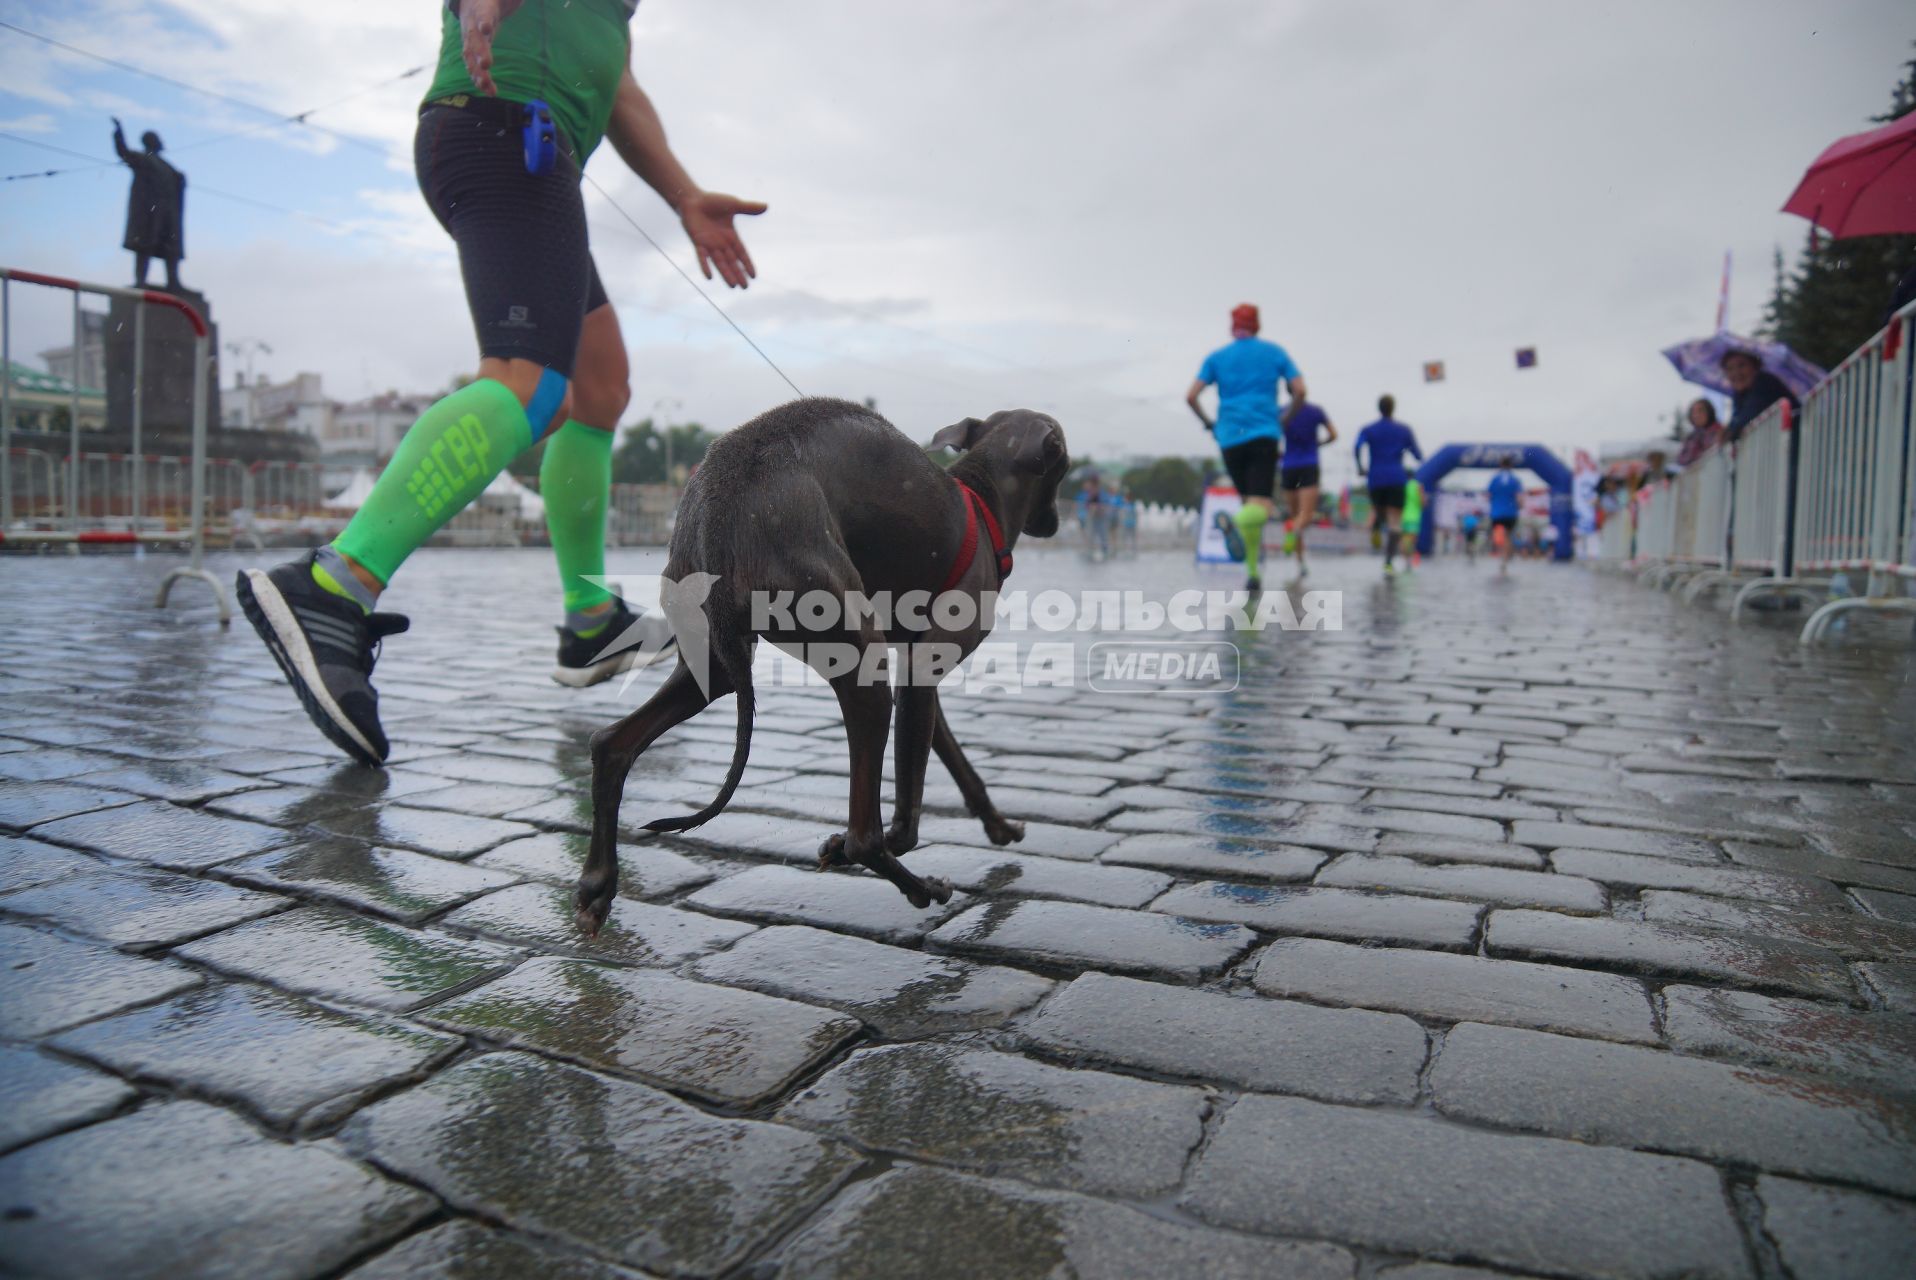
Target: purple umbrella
{"x": 1700, "y": 360}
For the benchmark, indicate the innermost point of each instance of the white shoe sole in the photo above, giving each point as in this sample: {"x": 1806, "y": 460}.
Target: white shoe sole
{"x": 618, "y": 664}
{"x": 293, "y": 650}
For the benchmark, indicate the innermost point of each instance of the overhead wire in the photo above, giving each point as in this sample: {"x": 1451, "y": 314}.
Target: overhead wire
{"x": 302, "y": 118}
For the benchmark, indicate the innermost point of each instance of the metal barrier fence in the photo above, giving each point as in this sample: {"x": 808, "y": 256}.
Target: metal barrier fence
{"x": 88, "y": 486}
{"x": 1616, "y": 540}
{"x": 1803, "y": 500}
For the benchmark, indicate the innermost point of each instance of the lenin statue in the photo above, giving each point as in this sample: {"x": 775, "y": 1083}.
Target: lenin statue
{"x": 155, "y": 208}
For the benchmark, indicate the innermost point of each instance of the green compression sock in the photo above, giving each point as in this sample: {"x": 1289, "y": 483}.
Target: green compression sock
{"x": 448, "y": 457}
{"x": 1250, "y": 526}
{"x": 575, "y": 480}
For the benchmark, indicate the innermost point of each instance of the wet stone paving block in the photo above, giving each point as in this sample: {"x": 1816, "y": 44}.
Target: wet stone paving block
{"x": 1202, "y": 855}
{"x": 23, "y": 804}
{"x": 1278, "y": 1046}
{"x": 1044, "y": 839}
{"x": 1721, "y": 881}
{"x": 25, "y": 862}
{"x": 326, "y": 953}
{"x": 1829, "y": 1233}
{"x": 471, "y": 1251}
{"x": 278, "y": 1056}
{"x": 1621, "y": 1095}
{"x": 854, "y": 901}
{"x": 1014, "y": 873}
{"x": 998, "y": 1113}
{"x": 1741, "y": 959}
{"x": 451, "y": 835}
{"x": 1800, "y": 1035}
{"x": 1848, "y": 933}
{"x": 1443, "y": 987}
{"x": 164, "y": 834}
{"x": 40, "y": 1094}
{"x": 1409, "y": 1184}
{"x": 389, "y": 882}
{"x": 1073, "y": 935}
{"x": 902, "y": 993}
{"x": 541, "y": 916}
{"x": 913, "y": 1222}
{"x": 1389, "y": 919}
{"x": 1482, "y": 884}
{"x": 185, "y": 1189}
{"x": 650, "y": 872}
{"x": 48, "y": 982}
{"x": 140, "y": 909}
{"x": 651, "y": 1181}
{"x": 725, "y": 1045}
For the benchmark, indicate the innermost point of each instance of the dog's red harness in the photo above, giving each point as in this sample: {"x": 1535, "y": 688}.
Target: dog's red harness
{"x": 974, "y": 508}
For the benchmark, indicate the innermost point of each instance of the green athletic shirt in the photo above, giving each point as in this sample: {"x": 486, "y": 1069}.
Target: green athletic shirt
{"x": 568, "y": 53}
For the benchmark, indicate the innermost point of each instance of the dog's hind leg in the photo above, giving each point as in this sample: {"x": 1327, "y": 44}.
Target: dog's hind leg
{"x": 917, "y": 714}
{"x": 867, "y": 709}
{"x": 998, "y": 828}
{"x": 614, "y": 749}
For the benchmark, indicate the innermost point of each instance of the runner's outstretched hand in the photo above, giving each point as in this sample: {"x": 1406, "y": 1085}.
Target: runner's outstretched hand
{"x": 708, "y": 221}
{"x": 478, "y": 22}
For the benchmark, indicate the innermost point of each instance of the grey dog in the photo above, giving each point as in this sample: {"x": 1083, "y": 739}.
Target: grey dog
{"x": 824, "y": 495}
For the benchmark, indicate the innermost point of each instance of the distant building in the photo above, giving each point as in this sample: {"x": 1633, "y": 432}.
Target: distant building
{"x": 92, "y": 374}
{"x": 366, "y": 432}
{"x": 299, "y": 405}
{"x": 43, "y": 402}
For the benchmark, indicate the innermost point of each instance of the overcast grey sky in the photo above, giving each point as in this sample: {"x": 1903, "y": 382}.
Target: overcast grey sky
{"x": 984, "y": 204}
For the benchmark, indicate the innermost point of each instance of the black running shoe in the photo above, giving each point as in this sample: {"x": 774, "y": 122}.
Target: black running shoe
{"x": 326, "y": 645}
{"x": 628, "y": 641}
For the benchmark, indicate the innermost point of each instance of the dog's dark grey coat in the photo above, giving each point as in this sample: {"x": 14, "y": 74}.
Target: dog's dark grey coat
{"x": 827, "y": 495}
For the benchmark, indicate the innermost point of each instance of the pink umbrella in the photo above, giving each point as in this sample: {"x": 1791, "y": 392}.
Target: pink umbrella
{"x": 1863, "y": 185}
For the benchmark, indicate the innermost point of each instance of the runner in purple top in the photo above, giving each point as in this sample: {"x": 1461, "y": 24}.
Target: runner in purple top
{"x": 1302, "y": 475}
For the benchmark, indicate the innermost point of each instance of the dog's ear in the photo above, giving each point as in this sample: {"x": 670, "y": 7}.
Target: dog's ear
{"x": 1049, "y": 456}
{"x": 959, "y": 435}
{"x": 1043, "y": 451}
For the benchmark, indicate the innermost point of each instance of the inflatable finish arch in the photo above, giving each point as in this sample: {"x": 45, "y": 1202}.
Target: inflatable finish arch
{"x": 1531, "y": 457}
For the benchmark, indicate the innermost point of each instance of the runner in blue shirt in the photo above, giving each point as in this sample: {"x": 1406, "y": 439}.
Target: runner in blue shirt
{"x": 1387, "y": 441}
{"x": 1301, "y": 473}
{"x": 1246, "y": 374}
{"x": 1506, "y": 502}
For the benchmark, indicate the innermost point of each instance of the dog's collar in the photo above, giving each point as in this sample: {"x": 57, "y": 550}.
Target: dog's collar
{"x": 974, "y": 508}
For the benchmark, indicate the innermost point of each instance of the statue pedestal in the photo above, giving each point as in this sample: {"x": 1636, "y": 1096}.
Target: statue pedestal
{"x": 165, "y": 383}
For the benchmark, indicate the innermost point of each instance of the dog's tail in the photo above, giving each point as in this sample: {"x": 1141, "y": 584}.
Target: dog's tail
{"x": 732, "y": 651}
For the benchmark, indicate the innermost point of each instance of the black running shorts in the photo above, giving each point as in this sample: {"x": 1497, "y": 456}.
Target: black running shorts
{"x": 1387, "y": 497}
{"x": 1304, "y": 477}
{"x": 1504, "y": 522}
{"x": 529, "y": 275}
{"x": 1253, "y": 467}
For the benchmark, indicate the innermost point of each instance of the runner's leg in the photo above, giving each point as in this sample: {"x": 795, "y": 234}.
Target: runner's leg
{"x": 523, "y": 257}
{"x": 575, "y": 476}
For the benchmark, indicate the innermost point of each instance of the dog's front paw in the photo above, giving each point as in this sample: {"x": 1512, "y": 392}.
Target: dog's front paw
{"x": 832, "y": 852}
{"x": 1003, "y": 830}
{"x": 591, "y": 904}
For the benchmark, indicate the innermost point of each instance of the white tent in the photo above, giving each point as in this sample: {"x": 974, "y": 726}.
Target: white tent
{"x": 354, "y": 495}
{"x": 504, "y": 487}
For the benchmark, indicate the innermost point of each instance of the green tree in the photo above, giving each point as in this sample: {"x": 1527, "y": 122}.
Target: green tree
{"x": 1171, "y": 481}
{"x": 640, "y": 455}
{"x": 1834, "y": 300}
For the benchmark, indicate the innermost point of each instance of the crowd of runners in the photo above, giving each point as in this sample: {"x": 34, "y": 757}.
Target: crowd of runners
{"x": 1265, "y": 450}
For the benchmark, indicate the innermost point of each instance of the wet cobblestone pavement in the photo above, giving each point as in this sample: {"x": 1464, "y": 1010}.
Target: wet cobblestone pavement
{"x": 1549, "y": 926}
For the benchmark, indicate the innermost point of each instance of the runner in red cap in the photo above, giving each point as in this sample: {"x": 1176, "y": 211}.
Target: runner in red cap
{"x": 1246, "y": 373}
